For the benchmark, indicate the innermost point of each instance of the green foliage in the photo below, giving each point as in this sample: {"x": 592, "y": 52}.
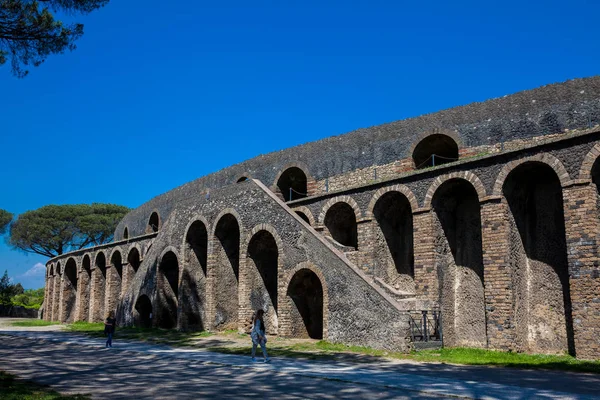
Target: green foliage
{"x": 5, "y": 218}
{"x": 30, "y": 298}
{"x": 8, "y": 291}
{"x": 53, "y": 230}
{"x": 17, "y": 389}
{"x": 29, "y": 32}
{"x": 34, "y": 322}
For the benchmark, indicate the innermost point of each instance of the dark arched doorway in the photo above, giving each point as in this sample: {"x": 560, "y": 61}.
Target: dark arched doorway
{"x": 340, "y": 221}
{"x": 262, "y": 264}
{"x": 69, "y": 295}
{"x": 153, "y": 223}
{"x": 459, "y": 259}
{"x": 292, "y": 184}
{"x": 306, "y": 294}
{"x": 435, "y": 150}
{"x": 142, "y": 315}
{"x": 167, "y": 290}
{"x": 538, "y": 259}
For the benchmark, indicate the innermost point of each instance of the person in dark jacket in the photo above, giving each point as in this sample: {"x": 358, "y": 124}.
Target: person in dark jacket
{"x": 109, "y": 328}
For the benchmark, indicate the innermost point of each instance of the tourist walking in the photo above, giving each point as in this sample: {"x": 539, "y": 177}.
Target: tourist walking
{"x": 258, "y": 335}
{"x": 109, "y": 328}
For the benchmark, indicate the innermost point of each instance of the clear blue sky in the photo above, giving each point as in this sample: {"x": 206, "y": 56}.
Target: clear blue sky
{"x": 160, "y": 93}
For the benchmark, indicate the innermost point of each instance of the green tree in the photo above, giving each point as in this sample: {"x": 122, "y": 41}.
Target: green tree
{"x": 53, "y": 230}
{"x": 30, "y": 298}
{"x": 5, "y": 218}
{"x": 6, "y": 290}
{"x": 29, "y": 32}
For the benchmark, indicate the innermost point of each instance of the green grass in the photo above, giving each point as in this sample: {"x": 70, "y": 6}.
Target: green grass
{"x": 17, "y": 389}
{"x": 34, "y": 322}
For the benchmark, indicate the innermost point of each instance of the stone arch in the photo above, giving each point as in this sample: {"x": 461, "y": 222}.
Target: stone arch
{"x": 306, "y": 302}
{"x": 458, "y": 256}
{"x": 538, "y": 257}
{"x": 405, "y": 190}
{"x": 243, "y": 178}
{"x": 292, "y": 182}
{"x": 392, "y": 239}
{"x": 465, "y": 175}
{"x": 305, "y": 214}
{"x": 154, "y": 222}
{"x": 69, "y": 291}
{"x": 85, "y": 280}
{"x": 114, "y": 280}
{"x": 544, "y": 158}
{"x": 98, "y": 287}
{"x": 340, "y": 216}
{"x": 194, "y": 274}
{"x": 142, "y": 312}
{"x": 263, "y": 260}
{"x": 126, "y": 233}
{"x": 443, "y": 144}
{"x": 585, "y": 171}
{"x": 167, "y": 288}
{"x": 224, "y": 269}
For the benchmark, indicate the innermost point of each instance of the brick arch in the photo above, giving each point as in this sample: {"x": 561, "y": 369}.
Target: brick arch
{"x": 403, "y": 189}
{"x": 223, "y": 212}
{"x": 340, "y": 199}
{"x": 112, "y": 253}
{"x": 88, "y": 255}
{"x": 544, "y": 158}
{"x": 171, "y": 249}
{"x": 138, "y": 248}
{"x": 58, "y": 270}
{"x": 50, "y": 271}
{"x": 204, "y": 220}
{"x": 306, "y": 211}
{"x": 261, "y": 227}
{"x": 585, "y": 172}
{"x": 246, "y": 175}
{"x": 296, "y": 164}
{"x": 437, "y": 131}
{"x": 148, "y": 228}
{"x": 312, "y": 267}
{"x": 465, "y": 175}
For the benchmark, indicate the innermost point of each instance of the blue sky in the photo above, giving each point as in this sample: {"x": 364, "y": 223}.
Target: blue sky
{"x": 160, "y": 93}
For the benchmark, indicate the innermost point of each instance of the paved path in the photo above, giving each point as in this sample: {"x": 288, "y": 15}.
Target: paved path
{"x": 73, "y": 363}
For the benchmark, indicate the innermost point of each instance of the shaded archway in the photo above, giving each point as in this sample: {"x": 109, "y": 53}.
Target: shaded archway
{"x": 193, "y": 277}
{"x": 262, "y": 262}
{"x": 434, "y": 150}
{"x": 84, "y": 287}
{"x": 538, "y": 259}
{"x": 306, "y": 315}
{"x": 69, "y": 291}
{"x": 459, "y": 261}
{"x": 98, "y": 288}
{"x": 292, "y": 184}
{"x": 115, "y": 278}
{"x": 126, "y": 233}
{"x": 226, "y": 249}
{"x": 167, "y": 291}
{"x": 133, "y": 264}
{"x": 142, "y": 315}
{"x": 153, "y": 223}
{"x": 340, "y": 221}
{"x": 303, "y": 216}
{"x": 393, "y": 253}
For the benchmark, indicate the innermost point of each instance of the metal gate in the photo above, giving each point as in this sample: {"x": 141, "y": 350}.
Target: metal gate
{"x": 426, "y": 329}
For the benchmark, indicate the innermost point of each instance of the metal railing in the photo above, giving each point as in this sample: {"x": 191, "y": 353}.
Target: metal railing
{"x": 426, "y": 326}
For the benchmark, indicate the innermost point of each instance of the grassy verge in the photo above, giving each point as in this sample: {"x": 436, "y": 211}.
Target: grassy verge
{"x": 17, "y": 389}
{"x": 34, "y": 322}
{"x": 278, "y": 347}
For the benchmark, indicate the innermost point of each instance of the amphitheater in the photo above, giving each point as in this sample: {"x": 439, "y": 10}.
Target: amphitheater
{"x": 485, "y": 215}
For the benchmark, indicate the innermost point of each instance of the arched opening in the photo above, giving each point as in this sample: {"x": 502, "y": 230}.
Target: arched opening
{"x": 153, "y": 223}
{"x": 85, "y": 279}
{"x": 262, "y": 264}
{"x": 292, "y": 184}
{"x": 459, "y": 258}
{"x": 69, "y": 295}
{"x": 130, "y": 268}
{"x": 133, "y": 259}
{"x": 303, "y": 216}
{"x": 193, "y": 279}
{"x": 306, "y": 294}
{"x": 226, "y": 249}
{"x": 435, "y": 150}
{"x": 115, "y": 279}
{"x": 167, "y": 290}
{"x": 142, "y": 316}
{"x": 340, "y": 221}
{"x": 393, "y": 251}
{"x": 125, "y": 233}
{"x": 56, "y": 293}
{"x": 538, "y": 259}
{"x": 242, "y": 179}
{"x": 98, "y": 288}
